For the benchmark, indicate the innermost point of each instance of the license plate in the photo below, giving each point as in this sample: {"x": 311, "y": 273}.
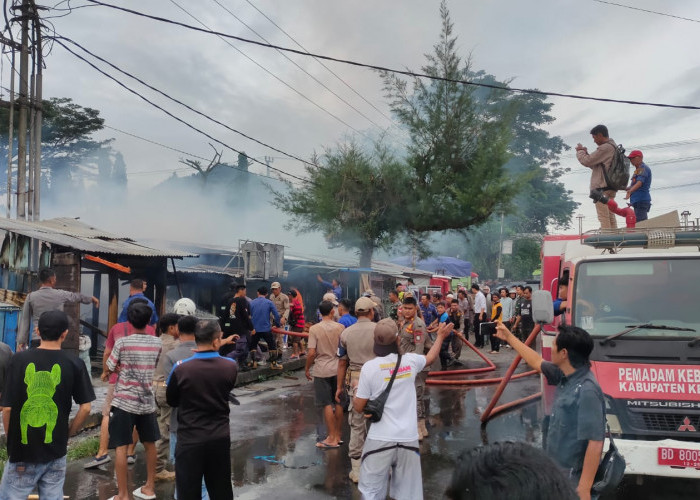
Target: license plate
{"x": 679, "y": 457}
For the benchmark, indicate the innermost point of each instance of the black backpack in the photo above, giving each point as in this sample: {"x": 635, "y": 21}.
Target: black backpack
{"x": 617, "y": 177}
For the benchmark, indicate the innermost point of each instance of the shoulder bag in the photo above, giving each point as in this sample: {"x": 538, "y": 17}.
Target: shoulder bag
{"x": 375, "y": 407}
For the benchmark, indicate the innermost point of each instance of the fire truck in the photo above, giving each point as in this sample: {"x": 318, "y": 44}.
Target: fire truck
{"x": 636, "y": 291}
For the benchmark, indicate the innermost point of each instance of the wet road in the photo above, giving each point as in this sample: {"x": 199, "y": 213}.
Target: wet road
{"x": 275, "y": 429}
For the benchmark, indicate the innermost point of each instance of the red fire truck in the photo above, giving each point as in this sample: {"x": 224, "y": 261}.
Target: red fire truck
{"x": 636, "y": 292}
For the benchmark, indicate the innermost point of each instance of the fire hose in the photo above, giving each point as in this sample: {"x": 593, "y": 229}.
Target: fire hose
{"x": 491, "y": 409}
{"x": 282, "y": 331}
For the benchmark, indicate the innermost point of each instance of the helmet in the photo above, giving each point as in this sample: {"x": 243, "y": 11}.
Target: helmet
{"x": 185, "y": 306}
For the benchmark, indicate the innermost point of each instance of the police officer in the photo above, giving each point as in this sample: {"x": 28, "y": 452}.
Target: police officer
{"x": 355, "y": 349}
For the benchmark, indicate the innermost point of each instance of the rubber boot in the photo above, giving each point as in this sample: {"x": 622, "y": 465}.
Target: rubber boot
{"x": 422, "y": 429}
{"x": 355, "y": 472}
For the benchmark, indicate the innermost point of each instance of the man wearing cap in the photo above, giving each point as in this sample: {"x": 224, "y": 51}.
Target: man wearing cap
{"x": 281, "y": 301}
{"x": 323, "y": 347}
{"x": 599, "y": 161}
{"x": 390, "y": 456}
{"x": 41, "y": 385}
{"x": 413, "y": 337}
{"x": 355, "y": 348}
{"x": 638, "y": 191}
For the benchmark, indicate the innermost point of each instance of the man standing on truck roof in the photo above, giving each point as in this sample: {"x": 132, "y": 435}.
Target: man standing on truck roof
{"x": 638, "y": 190}
{"x": 601, "y": 159}
{"x": 577, "y": 427}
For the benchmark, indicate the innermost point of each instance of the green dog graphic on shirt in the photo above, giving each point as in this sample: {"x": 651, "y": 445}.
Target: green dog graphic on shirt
{"x": 39, "y": 409}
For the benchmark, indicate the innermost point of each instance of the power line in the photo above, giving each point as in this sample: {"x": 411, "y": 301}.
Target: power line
{"x": 156, "y": 143}
{"x": 200, "y": 113}
{"x": 299, "y": 67}
{"x": 267, "y": 70}
{"x": 319, "y": 61}
{"x": 187, "y": 124}
{"x": 648, "y": 11}
{"x": 393, "y": 70}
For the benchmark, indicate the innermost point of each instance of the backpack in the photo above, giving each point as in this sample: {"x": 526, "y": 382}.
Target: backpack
{"x": 617, "y": 177}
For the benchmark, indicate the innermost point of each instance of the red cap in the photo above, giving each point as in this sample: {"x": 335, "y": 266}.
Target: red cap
{"x": 635, "y": 153}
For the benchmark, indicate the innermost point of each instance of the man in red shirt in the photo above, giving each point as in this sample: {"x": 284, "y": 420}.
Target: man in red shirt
{"x": 296, "y": 322}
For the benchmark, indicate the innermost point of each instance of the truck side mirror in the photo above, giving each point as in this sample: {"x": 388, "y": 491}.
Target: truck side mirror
{"x": 542, "y": 307}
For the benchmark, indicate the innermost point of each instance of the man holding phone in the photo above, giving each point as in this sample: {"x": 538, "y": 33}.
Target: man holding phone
{"x": 577, "y": 427}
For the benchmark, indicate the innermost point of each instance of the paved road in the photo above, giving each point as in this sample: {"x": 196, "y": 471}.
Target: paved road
{"x": 277, "y": 421}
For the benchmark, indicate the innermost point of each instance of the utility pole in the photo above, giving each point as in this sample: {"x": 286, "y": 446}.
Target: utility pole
{"x": 11, "y": 146}
{"x": 38, "y": 118}
{"x": 500, "y": 252}
{"x": 268, "y": 161}
{"x": 22, "y": 126}
{"x": 580, "y": 224}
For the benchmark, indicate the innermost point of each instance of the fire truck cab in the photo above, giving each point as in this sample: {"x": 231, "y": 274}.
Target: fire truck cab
{"x": 636, "y": 293}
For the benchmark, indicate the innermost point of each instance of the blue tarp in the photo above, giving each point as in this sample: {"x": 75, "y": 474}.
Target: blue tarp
{"x": 446, "y": 266}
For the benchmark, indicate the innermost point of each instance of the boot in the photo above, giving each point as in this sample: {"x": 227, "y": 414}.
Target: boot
{"x": 355, "y": 472}
{"x": 422, "y": 429}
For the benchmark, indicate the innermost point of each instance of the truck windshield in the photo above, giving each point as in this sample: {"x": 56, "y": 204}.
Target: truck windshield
{"x": 612, "y": 295}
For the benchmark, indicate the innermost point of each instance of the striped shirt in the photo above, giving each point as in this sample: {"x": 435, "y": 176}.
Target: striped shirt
{"x": 136, "y": 356}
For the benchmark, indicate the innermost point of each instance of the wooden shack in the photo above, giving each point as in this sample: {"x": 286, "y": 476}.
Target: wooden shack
{"x": 81, "y": 255}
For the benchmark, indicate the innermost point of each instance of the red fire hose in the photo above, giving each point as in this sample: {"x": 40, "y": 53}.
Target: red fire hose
{"x": 282, "y": 331}
{"x": 506, "y": 378}
{"x": 503, "y": 381}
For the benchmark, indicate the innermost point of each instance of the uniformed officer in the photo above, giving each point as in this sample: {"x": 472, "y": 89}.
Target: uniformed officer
{"x": 356, "y": 347}
{"x": 413, "y": 337}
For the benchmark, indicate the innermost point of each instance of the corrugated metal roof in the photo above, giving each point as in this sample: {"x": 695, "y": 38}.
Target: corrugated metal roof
{"x": 72, "y": 233}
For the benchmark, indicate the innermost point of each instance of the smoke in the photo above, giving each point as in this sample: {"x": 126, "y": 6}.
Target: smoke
{"x": 230, "y": 205}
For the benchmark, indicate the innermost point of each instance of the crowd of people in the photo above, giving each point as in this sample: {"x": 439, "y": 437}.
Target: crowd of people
{"x": 170, "y": 380}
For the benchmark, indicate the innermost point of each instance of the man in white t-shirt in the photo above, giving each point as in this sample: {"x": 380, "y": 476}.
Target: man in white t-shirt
{"x": 390, "y": 456}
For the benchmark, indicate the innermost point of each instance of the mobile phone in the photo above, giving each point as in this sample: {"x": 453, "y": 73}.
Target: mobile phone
{"x": 488, "y": 328}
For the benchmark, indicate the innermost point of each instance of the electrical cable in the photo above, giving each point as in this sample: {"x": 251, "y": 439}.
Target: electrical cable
{"x": 299, "y": 67}
{"x": 648, "y": 11}
{"x": 320, "y": 62}
{"x": 306, "y": 98}
{"x": 394, "y": 70}
{"x": 187, "y": 124}
{"x": 187, "y": 106}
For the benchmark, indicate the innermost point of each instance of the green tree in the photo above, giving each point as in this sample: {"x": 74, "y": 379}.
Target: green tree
{"x": 68, "y": 151}
{"x": 458, "y": 149}
{"x": 357, "y": 199}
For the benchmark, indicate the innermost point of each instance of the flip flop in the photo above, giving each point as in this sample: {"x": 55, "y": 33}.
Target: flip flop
{"x": 140, "y": 494}
{"x": 326, "y": 446}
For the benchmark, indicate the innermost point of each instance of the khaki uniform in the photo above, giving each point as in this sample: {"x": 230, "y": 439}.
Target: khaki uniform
{"x": 358, "y": 342}
{"x": 413, "y": 337}
{"x": 168, "y": 343}
{"x": 281, "y": 302}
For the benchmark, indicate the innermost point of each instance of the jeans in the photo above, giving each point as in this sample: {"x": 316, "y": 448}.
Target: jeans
{"x": 173, "y": 442}
{"x": 20, "y": 478}
{"x": 641, "y": 210}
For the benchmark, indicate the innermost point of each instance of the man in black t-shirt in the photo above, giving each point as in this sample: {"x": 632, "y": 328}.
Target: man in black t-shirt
{"x": 36, "y": 405}
{"x": 524, "y": 318}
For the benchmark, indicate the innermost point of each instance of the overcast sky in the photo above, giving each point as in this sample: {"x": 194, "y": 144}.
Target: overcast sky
{"x": 571, "y": 46}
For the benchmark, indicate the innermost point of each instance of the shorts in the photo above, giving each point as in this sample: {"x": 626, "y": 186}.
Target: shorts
{"x": 294, "y": 338}
{"x": 324, "y": 390}
{"x": 106, "y": 408}
{"x": 122, "y": 423}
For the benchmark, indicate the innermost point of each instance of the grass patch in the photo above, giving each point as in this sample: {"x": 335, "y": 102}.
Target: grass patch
{"x": 84, "y": 448}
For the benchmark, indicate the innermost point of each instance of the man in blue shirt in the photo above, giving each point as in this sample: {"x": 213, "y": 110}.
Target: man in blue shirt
{"x": 136, "y": 288}
{"x": 638, "y": 191}
{"x": 333, "y": 286}
{"x": 260, "y": 310}
{"x": 428, "y": 310}
{"x": 346, "y": 319}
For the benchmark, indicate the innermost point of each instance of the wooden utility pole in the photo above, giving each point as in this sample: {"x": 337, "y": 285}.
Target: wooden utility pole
{"x": 22, "y": 126}
{"x": 37, "y": 119}
{"x": 11, "y": 145}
